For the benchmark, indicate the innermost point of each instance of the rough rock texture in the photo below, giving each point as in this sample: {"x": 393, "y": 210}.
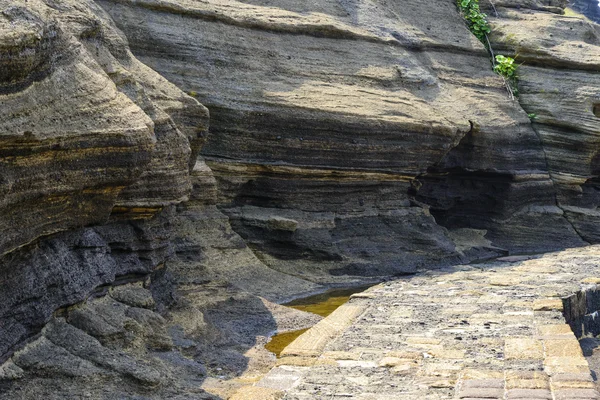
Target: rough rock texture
{"x": 64, "y": 270}
{"x": 207, "y": 248}
{"x": 348, "y": 138}
{"x": 558, "y": 82}
{"x": 333, "y": 122}
{"x": 118, "y": 346}
{"x": 85, "y": 126}
{"x": 89, "y": 136}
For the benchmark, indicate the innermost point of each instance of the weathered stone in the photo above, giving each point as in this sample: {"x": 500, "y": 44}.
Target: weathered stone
{"x": 311, "y": 148}
{"x": 547, "y": 305}
{"x": 562, "y": 348}
{"x": 257, "y": 393}
{"x": 481, "y": 393}
{"x": 523, "y": 348}
{"x": 529, "y": 394}
{"x": 10, "y": 371}
{"x": 483, "y": 383}
{"x": 526, "y": 380}
{"x": 134, "y": 296}
{"x": 370, "y": 139}
{"x": 576, "y": 394}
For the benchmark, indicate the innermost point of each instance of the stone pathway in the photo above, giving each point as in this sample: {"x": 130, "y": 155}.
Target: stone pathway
{"x": 488, "y": 331}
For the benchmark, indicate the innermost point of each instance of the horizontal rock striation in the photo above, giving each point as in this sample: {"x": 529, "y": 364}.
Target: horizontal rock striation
{"x": 336, "y": 127}
{"x": 558, "y": 84}
{"x": 95, "y": 148}
{"x": 348, "y": 139}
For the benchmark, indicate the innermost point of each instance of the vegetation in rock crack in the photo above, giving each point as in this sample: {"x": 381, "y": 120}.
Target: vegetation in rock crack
{"x": 505, "y": 66}
{"x": 532, "y": 116}
{"x": 476, "y": 20}
{"x": 479, "y": 26}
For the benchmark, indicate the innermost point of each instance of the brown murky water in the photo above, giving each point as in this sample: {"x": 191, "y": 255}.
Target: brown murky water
{"x": 321, "y": 304}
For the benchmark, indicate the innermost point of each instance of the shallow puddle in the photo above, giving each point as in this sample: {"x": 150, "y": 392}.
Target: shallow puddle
{"x": 321, "y": 304}
{"x": 281, "y": 340}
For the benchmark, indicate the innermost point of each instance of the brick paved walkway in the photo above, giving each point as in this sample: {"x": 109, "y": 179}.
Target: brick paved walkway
{"x": 487, "y": 331}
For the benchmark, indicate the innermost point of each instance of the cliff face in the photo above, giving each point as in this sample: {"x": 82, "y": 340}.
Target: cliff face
{"x": 347, "y": 139}
{"x": 89, "y": 137}
{"x": 335, "y": 127}
{"x": 558, "y": 82}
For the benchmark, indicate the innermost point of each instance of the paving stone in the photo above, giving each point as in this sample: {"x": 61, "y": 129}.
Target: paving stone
{"x": 494, "y": 331}
{"x": 299, "y": 361}
{"x": 572, "y": 385}
{"x": 584, "y": 377}
{"x": 569, "y": 361}
{"x": 523, "y": 348}
{"x": 482, "y": 374}
{"x": 484, "y": 383}
{"x": 562, "y": 348}
{"x": 576, "y": 394}
{"x": 529, "y": 394}
{"x": 342, "y": 355}
{"x": 594, "y": 280}
{"x": 483, "y": 393}
{"x": 547, "y": 305}
{"x": 257, "y": 393}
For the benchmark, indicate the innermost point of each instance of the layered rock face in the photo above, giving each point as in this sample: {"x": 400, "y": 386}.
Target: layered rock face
{"x": 335, "y": 126}
{"x": 89, "y": 137}
{"x": 348, "y": 139}
{"x": 558, "y": 83}
{"x": 97, "y": 150}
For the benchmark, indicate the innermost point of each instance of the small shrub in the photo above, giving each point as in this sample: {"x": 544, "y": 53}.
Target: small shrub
{"x": 532, "y": 116}
{"x": 506, "y": 67}
{"x": 476, "y": 20}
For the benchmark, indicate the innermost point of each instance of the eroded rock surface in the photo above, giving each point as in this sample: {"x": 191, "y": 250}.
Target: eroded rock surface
{"x": 348, "y": 139}
{"x": 95, "y": 149}
{"x": 558, "y": 84}
{"x": 119, "y": 346}
{"x": 342, "y": 118}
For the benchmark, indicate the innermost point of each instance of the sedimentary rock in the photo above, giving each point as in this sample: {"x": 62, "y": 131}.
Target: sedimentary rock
{"x": 348, "y": 139}
{"x": 88, "y": 136}
{"x": 336, "y": 117}
{"x": 559, "y": 56}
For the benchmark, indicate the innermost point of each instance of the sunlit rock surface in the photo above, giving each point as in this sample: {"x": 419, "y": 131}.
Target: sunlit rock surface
{"x": 348, "y": 139}
{"x": 350, "y": 119}
{"x": 558, "y": 84}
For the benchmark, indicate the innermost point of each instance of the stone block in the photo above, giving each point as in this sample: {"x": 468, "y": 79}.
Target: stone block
{"x": 576, "y": 394}
{"x": 523, "y": 349}
{"x": 562, "y": 348}
{"x": 481, "y": 393}
{"x": 548, "y": 305}
{"x": 542, "y": 394}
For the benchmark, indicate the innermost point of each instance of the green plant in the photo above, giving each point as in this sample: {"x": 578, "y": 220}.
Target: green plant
{"x": 478, "y": 25}
{"x": 532, "y": 116}
{"x": 476, "y": 20}
{"x": 505, "y": 66}
{"x": 507, "y": 69}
